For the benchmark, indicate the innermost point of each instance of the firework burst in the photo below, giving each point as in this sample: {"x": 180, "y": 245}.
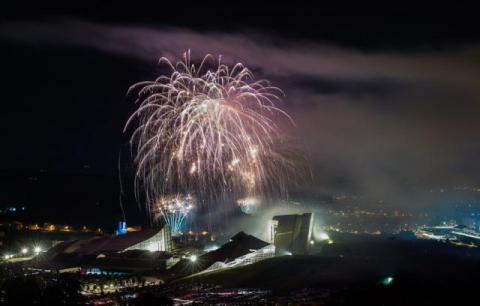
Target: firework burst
{"x": 174, "y": 210}
{"x": 209, "y": 130}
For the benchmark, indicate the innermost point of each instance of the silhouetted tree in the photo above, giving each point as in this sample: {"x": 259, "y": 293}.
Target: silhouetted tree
{"x": 149, "y": 299}
{"x": 22, "y": 291}
{"x": 39, "y": 290}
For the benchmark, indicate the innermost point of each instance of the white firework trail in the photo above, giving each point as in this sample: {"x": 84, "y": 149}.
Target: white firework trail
{"x": 209, "y": 130}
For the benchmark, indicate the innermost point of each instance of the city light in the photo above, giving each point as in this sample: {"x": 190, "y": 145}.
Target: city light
{"x": 24, "y": 251}
{"x": 193, "y": 258}
{"x": 211, "y": 248}
{"x": 37, "y": 250}
{"x": 324, "y": 236}
{"x": 387, "y": 281}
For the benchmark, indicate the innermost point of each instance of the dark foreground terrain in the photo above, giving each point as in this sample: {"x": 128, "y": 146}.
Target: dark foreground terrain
{"x": 354, "y": 270}
{"x": 364, "y": 271}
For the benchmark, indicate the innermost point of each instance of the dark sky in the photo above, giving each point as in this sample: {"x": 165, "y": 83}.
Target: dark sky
{"x": 386, "y": 99}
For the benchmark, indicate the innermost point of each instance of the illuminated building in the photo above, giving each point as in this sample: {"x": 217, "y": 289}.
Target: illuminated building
{"x": 453, "y": 233}
{"x": 292, "y": 233}
{"x": 126, "y": 252}
{"x": 49, "y": 227}
{"x": 122, "y": 228}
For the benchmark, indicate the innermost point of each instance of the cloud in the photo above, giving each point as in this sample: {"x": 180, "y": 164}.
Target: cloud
{"x": 282, "y": 58}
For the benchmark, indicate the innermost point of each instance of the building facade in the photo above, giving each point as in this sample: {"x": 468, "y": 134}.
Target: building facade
{"x": 292, "y": 233}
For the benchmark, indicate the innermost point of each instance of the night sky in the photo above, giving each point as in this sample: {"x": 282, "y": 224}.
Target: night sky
{"x": 386, "y": 99}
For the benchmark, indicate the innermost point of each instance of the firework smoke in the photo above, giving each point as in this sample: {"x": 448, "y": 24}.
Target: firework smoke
{"x": 248, "y": 205}
{"x": 209, "y": 130}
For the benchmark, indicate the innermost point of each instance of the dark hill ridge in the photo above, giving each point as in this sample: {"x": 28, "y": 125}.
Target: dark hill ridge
{"x": 418, "y": 264}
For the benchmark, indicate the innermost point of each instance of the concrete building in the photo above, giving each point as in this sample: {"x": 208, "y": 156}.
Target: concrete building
{"x": 292, "y": 233}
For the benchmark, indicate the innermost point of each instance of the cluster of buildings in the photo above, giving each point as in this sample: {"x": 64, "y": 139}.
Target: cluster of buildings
{"x": 131, "y": 252}
{"x": 153, "y": 251}
{"x": 456, "y": 234}
{"x": 51, "y": 227}
{"x": 11, "y": 210}
{"x": 16, "y": 235}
